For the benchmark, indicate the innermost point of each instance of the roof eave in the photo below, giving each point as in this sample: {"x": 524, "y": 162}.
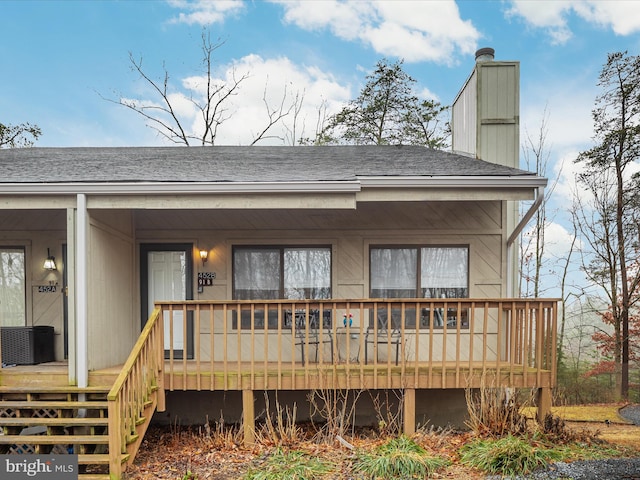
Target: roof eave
{"x": 194, "y": 188}
{"x": 452, "y": 181}
{"x": 175, "y": 188}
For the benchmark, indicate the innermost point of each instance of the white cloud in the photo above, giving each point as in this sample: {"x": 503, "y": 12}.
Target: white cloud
{"x": 415, "y": 31}
{"x": 621, "y": 16}
{"x": 557, "y": 240}
{"x": 276, "y": 81}
{"x": 204, "y": 12}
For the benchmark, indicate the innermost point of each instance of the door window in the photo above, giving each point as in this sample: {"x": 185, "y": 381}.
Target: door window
{"x": 12, "y": 287}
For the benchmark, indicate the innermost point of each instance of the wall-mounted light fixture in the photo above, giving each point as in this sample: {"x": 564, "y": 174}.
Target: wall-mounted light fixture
{"x": 50, "y": 262}
{"x": 204, "y": 256}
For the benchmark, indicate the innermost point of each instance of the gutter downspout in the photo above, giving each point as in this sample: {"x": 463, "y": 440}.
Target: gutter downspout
{"x": 82, "y": 369}
{"x": 514, "y": 235}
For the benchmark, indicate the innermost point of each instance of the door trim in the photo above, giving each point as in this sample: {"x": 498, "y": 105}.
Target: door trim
{"x": 145, "y": 248}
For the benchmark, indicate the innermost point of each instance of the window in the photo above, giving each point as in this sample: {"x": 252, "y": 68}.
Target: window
{"x": 421, "y": 272}
{"x": 265, "y": 273}
{"x": 12, "y": 287}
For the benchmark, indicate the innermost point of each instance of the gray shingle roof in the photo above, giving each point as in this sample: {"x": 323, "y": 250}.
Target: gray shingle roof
{"x": 236, "y": 164}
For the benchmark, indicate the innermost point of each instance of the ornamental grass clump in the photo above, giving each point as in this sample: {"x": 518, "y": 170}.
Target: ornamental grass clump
{"x": 495, "y": 412}
{"x": 293, "y": 465}
{"x": 399, "y": 458}
{"x": 507, "y": 456}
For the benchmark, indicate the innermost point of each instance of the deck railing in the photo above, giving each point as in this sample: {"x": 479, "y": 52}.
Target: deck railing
{"x": 135, "y": 395}
{"x": 364, "y": 343}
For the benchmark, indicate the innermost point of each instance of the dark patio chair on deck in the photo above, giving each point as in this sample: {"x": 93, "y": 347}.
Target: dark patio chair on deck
{"x": 314, "y": 337}
{"x": 388, "y": 332}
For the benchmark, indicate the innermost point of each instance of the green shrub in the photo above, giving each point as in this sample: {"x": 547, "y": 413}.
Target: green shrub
{"x": 292, "y": 465}
{"x": 507, "y": 456}
{"x": 399, "y": 458}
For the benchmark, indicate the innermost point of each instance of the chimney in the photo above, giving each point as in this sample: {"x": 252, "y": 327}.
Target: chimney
{"x": 485, "y": 116}
{"x": 485, "y": 123}
{"x": 485, "y": 55}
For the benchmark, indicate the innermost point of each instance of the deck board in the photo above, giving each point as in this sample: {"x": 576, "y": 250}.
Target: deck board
{"x": 190, "y": 375}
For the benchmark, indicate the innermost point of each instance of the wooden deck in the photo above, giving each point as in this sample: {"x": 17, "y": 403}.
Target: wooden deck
{"x": 53, "y": 375}
{"x": 247, "y": 346}
{"x": 274, "y": 377}
{"x": 340, "y": 376}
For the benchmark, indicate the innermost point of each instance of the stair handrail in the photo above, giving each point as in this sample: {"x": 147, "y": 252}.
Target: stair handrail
{"x": 139, "y": 387}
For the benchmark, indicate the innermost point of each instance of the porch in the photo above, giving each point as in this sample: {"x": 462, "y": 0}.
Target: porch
{"x": 249, "y": 346}
{"x": 415, "y": 343}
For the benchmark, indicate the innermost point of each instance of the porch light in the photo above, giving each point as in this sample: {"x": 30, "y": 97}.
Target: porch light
{"x": 50, "y": 262}
{"x": 204, "y": 255}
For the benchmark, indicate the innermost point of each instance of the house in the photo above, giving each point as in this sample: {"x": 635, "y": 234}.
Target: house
{"x": 190, "y": 280}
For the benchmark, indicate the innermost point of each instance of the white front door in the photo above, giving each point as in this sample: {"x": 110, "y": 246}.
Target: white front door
{"x": 167, "y": 280}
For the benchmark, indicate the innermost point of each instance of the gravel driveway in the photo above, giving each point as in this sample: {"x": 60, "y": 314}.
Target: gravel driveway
{"x": 611, "y": 469}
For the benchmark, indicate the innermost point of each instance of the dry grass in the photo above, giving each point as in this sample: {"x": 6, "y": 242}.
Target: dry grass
{"x": 584, "y": 413}
{"x": 616, "y": 434}
{"x": 216, "y": 452}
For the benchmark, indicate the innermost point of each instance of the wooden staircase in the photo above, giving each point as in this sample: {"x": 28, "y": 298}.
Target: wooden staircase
{"x": 58, "y": 420}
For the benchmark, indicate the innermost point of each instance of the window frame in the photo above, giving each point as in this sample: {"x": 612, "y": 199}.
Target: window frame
{"x": 272, "y": 324}
{"x": 410, "y": 320}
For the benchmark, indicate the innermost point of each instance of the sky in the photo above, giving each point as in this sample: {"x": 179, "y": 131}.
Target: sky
{"x": 65, "y": 64}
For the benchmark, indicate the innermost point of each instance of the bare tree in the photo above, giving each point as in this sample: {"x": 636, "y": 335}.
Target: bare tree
{"x": 610, "y": 222}
{"x": 277, "y": 113}
{"x": 211, "y": 98}
{"x": 536, "y": 153}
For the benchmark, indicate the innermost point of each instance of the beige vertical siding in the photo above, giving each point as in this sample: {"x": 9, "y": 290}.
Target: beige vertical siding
{"x": 464, "y": 118}
{"x": 113, "y": 326}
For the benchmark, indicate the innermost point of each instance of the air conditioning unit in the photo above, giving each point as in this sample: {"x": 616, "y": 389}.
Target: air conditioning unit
{"x": 27, "y": 345}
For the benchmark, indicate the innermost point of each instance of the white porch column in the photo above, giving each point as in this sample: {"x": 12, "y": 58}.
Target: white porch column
{"x": 71, "y": 295}
{"x": 82, "y": 364}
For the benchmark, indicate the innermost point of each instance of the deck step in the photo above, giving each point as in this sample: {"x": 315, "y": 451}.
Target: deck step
{"x": 93, "y": 459}
{"x": 54, "y": 404}
{"x": 54, "y": 439}
{"x": 51, "y": 389}
{"x": 40, "y": 418}
{"x": 98, "y": 458}
{"x": 54, "y": 422}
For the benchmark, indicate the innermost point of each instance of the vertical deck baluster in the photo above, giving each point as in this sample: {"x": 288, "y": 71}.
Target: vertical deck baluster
{"x": 212, "y": 314}
{"x": 515, "y": 339}
{"x": 375, "y": 345}
{"x": 280, "y": 321}
{"x": 431, "y": 319}
{"x": 185, "y": 342}
{"x": 471, "y": 326}
{"x": 539, "y": 343}
{"x": 443, "y": 371}
{"x": 196, "y": 351}
{"x": 402, "y": 339}
{"x": 361, "y": 339}
{"x": 485, "y": 323}
{"x": 266, "y": 345}
{"x": 294, "y": 335}
{"x": 416, "y": 360}
{"x": 239, "y": 346}
{"x": 171, "y": 366}
{"x": 458, "y": 341}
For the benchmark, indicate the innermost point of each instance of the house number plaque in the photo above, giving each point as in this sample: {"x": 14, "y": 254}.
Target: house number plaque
{"x": 47, "y": 288}
{"x": 205, "y": 279}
